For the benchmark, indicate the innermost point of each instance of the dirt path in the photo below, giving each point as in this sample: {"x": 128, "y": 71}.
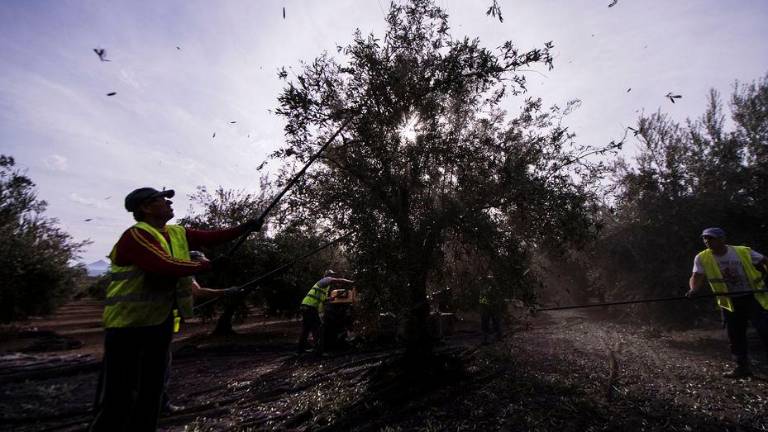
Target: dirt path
{"x": 568, "y": 372}
{"x": 563, "y": 372}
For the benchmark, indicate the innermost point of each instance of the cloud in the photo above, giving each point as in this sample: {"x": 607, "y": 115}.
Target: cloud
{"x": 88, "y": 202}
{"x": 56, "y": 162}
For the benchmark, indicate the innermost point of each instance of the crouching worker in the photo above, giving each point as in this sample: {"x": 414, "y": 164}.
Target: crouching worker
{"x": 149, "y": 262}
{"x": 312, "y": 308}
{"x": 734, "y": 269}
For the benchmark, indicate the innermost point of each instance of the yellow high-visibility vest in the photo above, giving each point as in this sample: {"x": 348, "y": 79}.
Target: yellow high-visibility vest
{"x": 316, "y": 297}
{"x": 130, "y": 304}
{"x": 716, "y": 281}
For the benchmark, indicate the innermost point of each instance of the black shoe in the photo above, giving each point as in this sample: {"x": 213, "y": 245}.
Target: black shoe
{"x": 739, "y": 372}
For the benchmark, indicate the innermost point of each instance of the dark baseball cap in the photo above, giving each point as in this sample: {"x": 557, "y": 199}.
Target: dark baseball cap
{"x": 713, "y": 232}
{"x": 134, "y": 199}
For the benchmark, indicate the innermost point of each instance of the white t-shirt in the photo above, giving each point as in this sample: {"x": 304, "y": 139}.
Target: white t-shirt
{"x": 730, "y": 268}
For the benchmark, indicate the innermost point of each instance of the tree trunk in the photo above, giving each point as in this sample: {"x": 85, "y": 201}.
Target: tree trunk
{"x": 418, "y": 341}
{"x": 224, "y": 324}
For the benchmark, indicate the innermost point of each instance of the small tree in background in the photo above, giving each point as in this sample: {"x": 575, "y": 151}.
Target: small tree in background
{"x": 36, "y": 274}
{"x": 260, "y": 254}
{"x": 224, "y": 209}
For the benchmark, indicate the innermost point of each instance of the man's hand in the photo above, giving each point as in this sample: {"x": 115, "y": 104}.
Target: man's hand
{"x": 694, "y": 284}
{"x": 205, "y": 264}
{"x": 231, "y": 291}
{"x": 255, "y": 224}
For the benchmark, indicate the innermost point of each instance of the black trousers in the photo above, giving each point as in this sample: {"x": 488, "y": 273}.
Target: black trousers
{"x": 133, "y": 374}
{"x": 310, "y": 323}
{"x": 745, "y": 310}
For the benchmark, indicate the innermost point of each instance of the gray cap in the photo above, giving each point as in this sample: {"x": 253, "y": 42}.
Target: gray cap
{"x": 713, "y": 232}
{"x": 136, "y": 198}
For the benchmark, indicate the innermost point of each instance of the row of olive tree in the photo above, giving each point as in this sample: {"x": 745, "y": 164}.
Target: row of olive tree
{"x": 685, "y": 177}
{"x": 36, "y": 256}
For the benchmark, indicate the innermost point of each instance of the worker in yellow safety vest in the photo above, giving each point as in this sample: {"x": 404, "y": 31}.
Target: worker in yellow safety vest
{"x": 312, "y": 307}
{"x": 732, "y": 269}
{"x": 149, "y": 292}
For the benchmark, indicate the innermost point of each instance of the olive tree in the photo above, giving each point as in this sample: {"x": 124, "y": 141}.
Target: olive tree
{"x": 428, "y": 156}
{"x": 36, "y": 257}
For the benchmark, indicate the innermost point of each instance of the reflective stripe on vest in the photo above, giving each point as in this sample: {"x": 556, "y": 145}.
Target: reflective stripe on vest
{"x": 124, "y": 275}
{"x": 717, "y": 283}
{"x": 130, "y": 304}
{"x": 137, "y": 297}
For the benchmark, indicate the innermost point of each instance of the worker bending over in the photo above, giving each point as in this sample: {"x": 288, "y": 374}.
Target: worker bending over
{"x": 312, "y": 307}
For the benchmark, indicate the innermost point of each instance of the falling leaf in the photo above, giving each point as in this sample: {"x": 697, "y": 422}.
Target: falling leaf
{"x": 88, "y": 220}
{"x": 613, "y": 3}
{"x": 232, "y": 122}
{"x": 108, "y": 197}
{"x": 672, "y": 97}
{"x": 214, "y": 135}
{"x": 283, "y": 12}
{"x": 629, "y": 89}
{"x": 178, "y": 48}
{"x": 102, "y": 53}
{"x": 495, "y": 10}
{"x": 111, "y": 93}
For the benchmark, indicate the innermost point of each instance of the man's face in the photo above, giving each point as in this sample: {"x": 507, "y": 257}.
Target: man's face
{"x": 159, "y": 207}
{"x": 713, "y": 242}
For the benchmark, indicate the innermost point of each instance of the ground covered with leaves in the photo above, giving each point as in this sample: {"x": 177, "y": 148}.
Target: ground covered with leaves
{"x": 558, "y": 371}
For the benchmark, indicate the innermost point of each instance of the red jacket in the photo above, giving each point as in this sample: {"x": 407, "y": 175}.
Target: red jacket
{"x": 137, "y": 247}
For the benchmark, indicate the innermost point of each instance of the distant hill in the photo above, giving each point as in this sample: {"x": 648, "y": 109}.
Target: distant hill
{"x": 97, "y": 268}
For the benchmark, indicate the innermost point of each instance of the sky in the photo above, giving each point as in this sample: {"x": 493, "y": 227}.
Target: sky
{"x": 183, "y": 70}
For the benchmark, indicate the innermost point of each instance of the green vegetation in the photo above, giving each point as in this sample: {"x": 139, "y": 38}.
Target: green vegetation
{"x": 685, "y": 177}
{"x": 36, "y": 274}
{"x": 263, "y": 252}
